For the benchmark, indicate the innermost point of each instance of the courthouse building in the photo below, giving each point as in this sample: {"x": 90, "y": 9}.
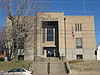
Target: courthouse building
{"x": 57, "y": 35}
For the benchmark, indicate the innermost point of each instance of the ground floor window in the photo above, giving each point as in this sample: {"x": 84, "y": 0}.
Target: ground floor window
{"x": 20, "y": 57}
{"x": 79, "y": 57}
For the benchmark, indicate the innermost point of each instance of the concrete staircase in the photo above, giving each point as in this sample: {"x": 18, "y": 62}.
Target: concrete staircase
{"x": 40, "y": 68}
{"x": 51, "y": 66}
{"x": 57, "y": 68}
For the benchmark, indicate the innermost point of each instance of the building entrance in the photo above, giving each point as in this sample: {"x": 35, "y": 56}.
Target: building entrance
{"x": 50, "y": 38}
{"x": 50, "y": 52}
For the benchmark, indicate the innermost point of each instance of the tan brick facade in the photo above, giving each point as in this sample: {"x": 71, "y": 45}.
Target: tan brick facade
{"x": 55, "y": 37}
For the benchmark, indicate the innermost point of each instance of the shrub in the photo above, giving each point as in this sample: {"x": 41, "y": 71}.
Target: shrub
{"x": 2, "y": 59}
{"x": 75, "y": 61}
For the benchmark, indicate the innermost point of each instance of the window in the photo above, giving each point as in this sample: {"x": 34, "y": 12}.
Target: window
{"x": 22, "y": 70}
{"x": 78, "y": 42}
{"x": 20, "y": 57}
{"x": 50, "y": 34}
{"x": 21, "y": 28}
{"x": 78, "y": 27}
{"x": 20, "y": 43}
{"x": 49, "y": 28}
{"x": 79, "y": 57}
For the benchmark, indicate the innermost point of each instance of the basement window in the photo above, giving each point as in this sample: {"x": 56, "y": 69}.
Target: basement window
{"x": 20, "y": 57}
{"x": 79, "y": 57}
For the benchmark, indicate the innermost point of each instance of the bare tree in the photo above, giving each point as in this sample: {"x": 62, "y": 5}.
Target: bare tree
{"x": 20, "y": 13}
{"x": 2, "y": 39}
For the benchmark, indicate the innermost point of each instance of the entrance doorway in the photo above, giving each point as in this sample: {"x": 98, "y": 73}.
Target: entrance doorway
{"x": 50, "y": 51}
{"x": 50, "y": 34}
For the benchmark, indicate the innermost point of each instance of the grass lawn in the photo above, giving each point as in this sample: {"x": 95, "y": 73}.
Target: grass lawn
{"x": 85, "y": 66}
{"x": 4, "y": 66}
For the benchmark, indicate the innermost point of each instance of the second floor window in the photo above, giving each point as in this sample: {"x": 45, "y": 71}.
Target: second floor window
{"x": 78, "y": 42}
{"x": 78, "y": 27}
{"x": 49, "y": 30}
{"x": 50, "y": 34}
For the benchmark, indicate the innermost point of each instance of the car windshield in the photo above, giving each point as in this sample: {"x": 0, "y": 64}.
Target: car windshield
{"x": 22, "y": 70}
{"x": 17, "y": 70}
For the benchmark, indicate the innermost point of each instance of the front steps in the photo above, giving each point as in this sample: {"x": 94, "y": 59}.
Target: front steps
{"x": 51, "y": 66}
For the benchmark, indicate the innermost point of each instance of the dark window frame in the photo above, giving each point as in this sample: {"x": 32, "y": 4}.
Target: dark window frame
{"x": 50, "y": 34}
{"x": 79, "y": 56}
{"x": 79, "y": 43}
{"x": 49, "y": 30}
{"x": 78, "y": 27}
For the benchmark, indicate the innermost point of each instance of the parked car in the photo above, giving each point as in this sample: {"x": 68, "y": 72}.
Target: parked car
{"x": 17, "y": 71}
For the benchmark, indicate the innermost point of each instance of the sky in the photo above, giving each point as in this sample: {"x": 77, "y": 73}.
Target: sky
{"x": 71, "y": 7}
